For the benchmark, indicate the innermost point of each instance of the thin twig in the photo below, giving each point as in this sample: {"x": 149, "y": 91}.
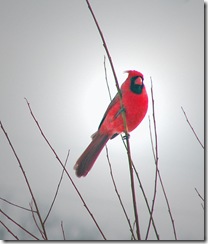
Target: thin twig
{"x": 18, "y": 206}
{"x": 133, "y": 189}
{"x": 117, "y": 193}
{"x": 151, "y": 138}
{"x": 27, "y": 182}
{"x": 192, "y": 128}
{"x": 106, "y": 78}
{"x": 104, "y": 44}
{"x": 199, "y": 194}
{"x": 162, "y": 185}
{"x": 124, "y": 120}
{"x": 56, "y": 193}
{"x": 168, "y": 205}
{"x": 146, "y": 201}
{"x": 62, "y": 229}
{"x": 156, "y": 161}
{"x": 9, "y": 230}
{"x": 144, "y": 195}
{"x": 18, "y": 224}
{"x": 69, "y": 177}
{"x": 35, "y": 221}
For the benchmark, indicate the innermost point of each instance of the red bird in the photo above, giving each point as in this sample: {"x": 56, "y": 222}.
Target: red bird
{"x": 135, "y": 103}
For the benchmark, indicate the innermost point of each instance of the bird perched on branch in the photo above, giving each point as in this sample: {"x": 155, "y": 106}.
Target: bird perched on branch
{"x": 134, "y": 104}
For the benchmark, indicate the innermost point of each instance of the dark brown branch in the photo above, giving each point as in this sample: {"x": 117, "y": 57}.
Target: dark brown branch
{"x": 133, "y": 237}
{"x": 144, "y": 195}
{"x": 133, "y": 189}
{"x": 105, "y": 45}
{"x": 124, "y": 120}
{"x": 67, "y": 173}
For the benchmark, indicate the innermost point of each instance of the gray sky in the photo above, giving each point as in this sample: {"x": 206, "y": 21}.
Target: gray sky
{"x": 52, "y": 54}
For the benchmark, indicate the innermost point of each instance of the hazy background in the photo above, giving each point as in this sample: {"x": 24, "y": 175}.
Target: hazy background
{"x": 51, "y": 53}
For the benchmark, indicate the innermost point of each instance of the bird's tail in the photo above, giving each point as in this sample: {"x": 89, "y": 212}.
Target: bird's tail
{"x": 87, "y": 159}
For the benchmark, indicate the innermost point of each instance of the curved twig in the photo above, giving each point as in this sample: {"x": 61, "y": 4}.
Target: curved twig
{"x": 192, "y": 128}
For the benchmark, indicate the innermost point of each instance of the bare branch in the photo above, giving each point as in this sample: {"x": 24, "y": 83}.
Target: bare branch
{"x": 35, "y": 221}
{"x": 117, "y": 193}
{"x": 106, "y": 79}
{"x": 144, "y": 195}
{"x": 160, "y": 178}
{"x": 133, "y": 237}
{"x": 67, "y": 173}
{"x": 62, "y": 229}
{"x": 124, "y": 120}
{"x": 156, "y": 160}
{"x": 104, "y": 44}
{"x": 27, "y": 182}
{"x": 18, "y": 206}
{"x": 146, "y": 201}
{"x": 18, "y": 225}
{"x": 9, "y": 230}
{"x": 57, "y": 187}
{"x": 192, "y": 128}
{"x": 199, "y": 194}
{"x": 133, "y": 189}
{"x": 151, "y": 138}
{"x": 168, "y": 205}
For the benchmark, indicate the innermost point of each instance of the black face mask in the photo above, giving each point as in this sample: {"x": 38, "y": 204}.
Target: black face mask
{"x": 136, "y": 88}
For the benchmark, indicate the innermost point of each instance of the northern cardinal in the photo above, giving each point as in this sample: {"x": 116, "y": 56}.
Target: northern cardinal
{"x": 135, "y": 104}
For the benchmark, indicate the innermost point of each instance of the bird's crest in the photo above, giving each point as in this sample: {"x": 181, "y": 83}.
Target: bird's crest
{"x": 134, "y": 73}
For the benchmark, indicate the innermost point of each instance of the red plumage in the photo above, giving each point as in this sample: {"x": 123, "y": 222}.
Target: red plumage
{"x": 135, "y": 102}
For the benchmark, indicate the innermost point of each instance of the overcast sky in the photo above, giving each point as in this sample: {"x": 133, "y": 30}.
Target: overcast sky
{"x": 51, "y": 53}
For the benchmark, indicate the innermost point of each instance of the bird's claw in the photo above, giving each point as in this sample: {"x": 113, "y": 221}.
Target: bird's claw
{"x": 126, "y": 136}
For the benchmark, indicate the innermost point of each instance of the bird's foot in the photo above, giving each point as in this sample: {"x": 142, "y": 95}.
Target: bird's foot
{"x": 126, "y": 136}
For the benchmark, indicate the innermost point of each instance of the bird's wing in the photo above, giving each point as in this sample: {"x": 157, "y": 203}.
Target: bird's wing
{"x": 110, "y": 106}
